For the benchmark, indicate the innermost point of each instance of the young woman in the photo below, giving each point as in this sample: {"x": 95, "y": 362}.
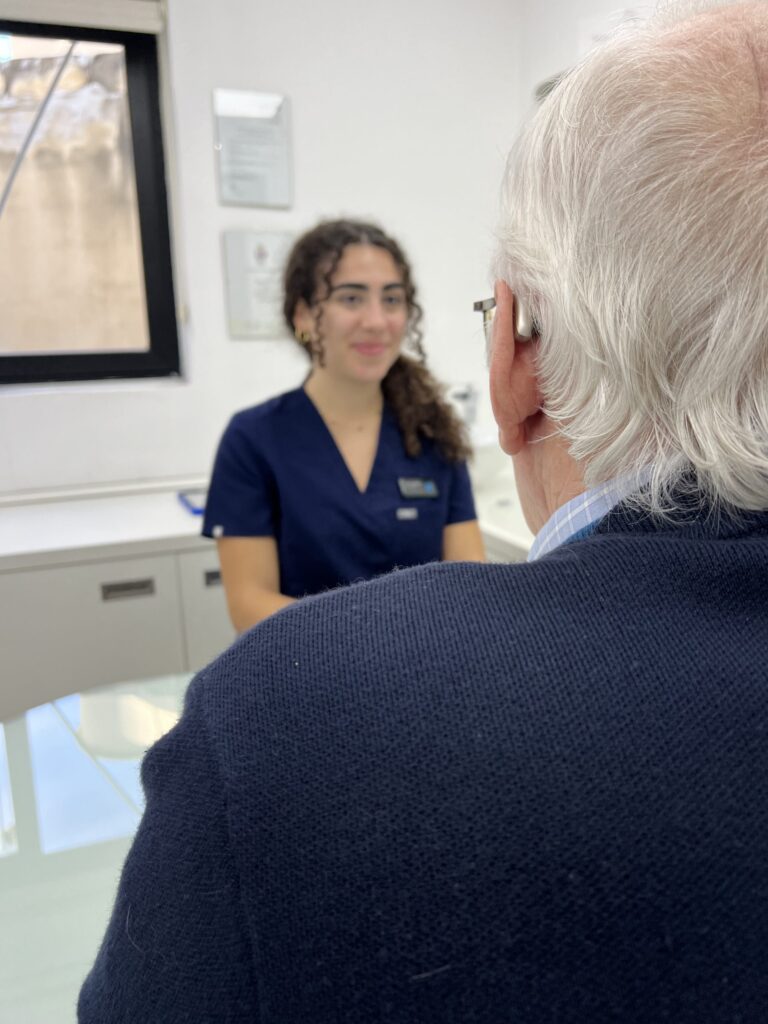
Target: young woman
{"x": 362, "y": 469}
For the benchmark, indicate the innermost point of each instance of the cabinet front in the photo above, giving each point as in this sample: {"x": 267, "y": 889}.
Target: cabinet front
{"x": 206, "y": 620}
{"x": 73, "y": 627}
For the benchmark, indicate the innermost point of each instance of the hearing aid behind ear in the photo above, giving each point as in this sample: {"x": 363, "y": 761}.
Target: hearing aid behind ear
{"x": 524, "y": 326}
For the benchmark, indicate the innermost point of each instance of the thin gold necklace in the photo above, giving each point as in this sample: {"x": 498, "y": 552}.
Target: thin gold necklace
{"x": 353, "y": 425}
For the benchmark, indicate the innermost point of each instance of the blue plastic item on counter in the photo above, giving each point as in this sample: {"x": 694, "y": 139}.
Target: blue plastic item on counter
{"x": 193, "y": 501}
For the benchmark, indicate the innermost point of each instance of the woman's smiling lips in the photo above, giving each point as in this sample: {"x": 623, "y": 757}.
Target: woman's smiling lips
{"x": 370, "y": 348}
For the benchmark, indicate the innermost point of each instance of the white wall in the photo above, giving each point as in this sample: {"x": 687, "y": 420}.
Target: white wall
{"x": 401, "y": 112}
{"x": 556, "y": 34}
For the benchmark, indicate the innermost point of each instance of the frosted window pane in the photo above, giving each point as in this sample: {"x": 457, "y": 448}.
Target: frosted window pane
{"x": 71, "y": 273}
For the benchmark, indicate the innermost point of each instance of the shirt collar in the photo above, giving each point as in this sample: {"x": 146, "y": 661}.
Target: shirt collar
{"x": 582, "y": 513}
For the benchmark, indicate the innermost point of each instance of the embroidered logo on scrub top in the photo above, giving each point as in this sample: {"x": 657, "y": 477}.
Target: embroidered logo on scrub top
{"x": 407, "y": 513}
{"x": 417, "y": 487}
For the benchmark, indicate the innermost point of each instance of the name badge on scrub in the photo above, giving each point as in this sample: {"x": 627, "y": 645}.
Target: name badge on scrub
{"x": 417, "y": 487}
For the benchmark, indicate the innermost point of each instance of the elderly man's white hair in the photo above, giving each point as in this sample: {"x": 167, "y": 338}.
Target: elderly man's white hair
{"x": 635, "y": 226}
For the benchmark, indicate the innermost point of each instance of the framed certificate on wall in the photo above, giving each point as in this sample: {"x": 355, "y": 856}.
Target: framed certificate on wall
{"x": 253, "y": 274}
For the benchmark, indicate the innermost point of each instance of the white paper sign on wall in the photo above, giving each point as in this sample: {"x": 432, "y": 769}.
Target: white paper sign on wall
{"x": 253, "y": 144}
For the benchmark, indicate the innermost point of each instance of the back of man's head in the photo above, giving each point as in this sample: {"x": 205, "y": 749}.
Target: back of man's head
{"x": 635, "y": 224}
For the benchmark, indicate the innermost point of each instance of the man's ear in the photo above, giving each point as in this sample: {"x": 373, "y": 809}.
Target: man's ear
{"x": 513, "y": 381}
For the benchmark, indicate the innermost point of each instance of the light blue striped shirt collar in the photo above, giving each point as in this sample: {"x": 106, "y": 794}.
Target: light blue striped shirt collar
{"x": 583, "y": 512}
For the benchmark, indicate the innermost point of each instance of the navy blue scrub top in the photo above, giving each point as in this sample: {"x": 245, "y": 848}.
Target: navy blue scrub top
{"x": 278, "y": 473}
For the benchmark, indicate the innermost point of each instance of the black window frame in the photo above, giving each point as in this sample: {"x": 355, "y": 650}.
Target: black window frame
{"x": 162, "y": 359}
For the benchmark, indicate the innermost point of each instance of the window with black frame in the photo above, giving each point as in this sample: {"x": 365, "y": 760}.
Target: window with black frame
{"x": 86, "y": 283}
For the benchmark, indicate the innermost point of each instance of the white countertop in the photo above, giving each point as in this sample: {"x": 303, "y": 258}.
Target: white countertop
{"x": 88, "y": 529}
{"x": 501, "y": 517}
{"x": 49, "y": 533}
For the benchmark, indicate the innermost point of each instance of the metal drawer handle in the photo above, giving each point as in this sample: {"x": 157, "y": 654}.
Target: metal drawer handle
{"x": 127, "y": 588}
{"x": 212, "y": 577}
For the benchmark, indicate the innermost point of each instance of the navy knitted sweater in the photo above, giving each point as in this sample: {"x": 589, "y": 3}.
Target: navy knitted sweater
{"x": 528, "y": 794}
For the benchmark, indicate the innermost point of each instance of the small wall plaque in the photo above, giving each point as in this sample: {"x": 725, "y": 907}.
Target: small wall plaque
{"x": 253, "y": 143}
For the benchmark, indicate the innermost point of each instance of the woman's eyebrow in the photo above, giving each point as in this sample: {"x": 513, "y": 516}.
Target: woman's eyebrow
{"x": 365, "y": 287}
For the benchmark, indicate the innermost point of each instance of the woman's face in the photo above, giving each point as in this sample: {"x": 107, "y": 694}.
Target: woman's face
{"x": 362, "y": 321}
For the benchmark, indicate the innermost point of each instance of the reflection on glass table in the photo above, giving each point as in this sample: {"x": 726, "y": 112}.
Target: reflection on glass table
{"x": 70, "y": 801}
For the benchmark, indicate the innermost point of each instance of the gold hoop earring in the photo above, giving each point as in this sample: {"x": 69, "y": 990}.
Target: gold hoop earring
{"x": 303, "y": 337}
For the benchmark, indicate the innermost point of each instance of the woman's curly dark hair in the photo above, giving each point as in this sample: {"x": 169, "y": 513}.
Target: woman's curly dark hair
{"x": 409, "y": 388}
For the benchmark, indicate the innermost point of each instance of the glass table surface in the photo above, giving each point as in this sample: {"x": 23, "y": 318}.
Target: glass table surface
{"x": 70, "y": 801}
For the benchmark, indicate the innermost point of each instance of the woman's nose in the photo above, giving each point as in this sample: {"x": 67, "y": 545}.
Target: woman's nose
{"x": 374, "y": 314}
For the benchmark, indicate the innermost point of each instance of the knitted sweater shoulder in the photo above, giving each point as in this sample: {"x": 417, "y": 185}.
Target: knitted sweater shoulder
{"x": 463, "y": 793}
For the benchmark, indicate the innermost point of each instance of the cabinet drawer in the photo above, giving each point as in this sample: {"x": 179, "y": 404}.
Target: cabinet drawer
{"x": 206, "y": 620}
{"x": 73, "y": 627}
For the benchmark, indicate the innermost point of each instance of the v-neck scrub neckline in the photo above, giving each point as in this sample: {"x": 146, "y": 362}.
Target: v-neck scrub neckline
{"x": 279, "y": 473}
{"x": 332, "y": 441}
